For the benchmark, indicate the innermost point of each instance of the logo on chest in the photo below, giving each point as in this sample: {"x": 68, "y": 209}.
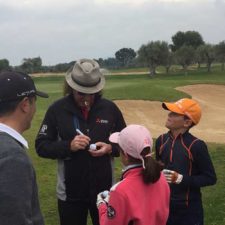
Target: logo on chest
{"x": 111, "y": 212}
{"x": 101, "y": 121}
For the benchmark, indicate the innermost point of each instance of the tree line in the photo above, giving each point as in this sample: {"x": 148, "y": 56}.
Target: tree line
{"x": 187, "y": 48}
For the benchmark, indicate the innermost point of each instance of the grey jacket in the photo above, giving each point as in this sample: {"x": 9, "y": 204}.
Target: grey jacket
{"x": 19, "y": 204}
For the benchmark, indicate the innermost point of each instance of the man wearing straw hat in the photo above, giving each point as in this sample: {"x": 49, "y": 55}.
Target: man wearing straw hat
{"x": 71, "y": 125}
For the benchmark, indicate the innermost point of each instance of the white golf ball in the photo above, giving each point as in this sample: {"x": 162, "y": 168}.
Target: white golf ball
{"x": 93, "y": 147}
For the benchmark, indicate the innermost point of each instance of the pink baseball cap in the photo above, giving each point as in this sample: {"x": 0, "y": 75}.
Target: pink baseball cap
{"x": 133, "y": 139}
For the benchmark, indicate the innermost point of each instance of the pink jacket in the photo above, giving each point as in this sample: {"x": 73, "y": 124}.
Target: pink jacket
{"x": 132, "y": 201}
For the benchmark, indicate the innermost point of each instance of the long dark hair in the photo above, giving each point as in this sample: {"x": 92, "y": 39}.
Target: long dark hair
{"x": 67, "y": 90}
{"x": 151, "y": 172}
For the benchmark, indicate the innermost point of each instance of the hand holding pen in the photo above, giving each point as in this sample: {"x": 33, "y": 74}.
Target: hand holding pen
{"x": 80, "y": 142}
{"x": 96, "y": 150}
{"x": 92, "y": 146}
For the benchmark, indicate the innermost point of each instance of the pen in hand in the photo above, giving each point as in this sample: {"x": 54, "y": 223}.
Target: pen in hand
{"x": 79, "y": 132}
{"x": 92, "y": 146}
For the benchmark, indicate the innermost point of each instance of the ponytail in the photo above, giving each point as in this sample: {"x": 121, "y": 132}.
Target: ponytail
{"x": 151, "y": 172}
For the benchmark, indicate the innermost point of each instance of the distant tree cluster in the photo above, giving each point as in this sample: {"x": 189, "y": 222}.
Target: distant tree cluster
{"x": 34, "y": 65}
{"x": 186, "y": 48}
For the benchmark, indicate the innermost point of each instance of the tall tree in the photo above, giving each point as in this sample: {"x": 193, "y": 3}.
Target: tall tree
{"x": 185, "y": 56}
{"x": 220, "y": 53}
{"x": 178, "y": 40}
{"x": 154, "y": 54}
{"x": 208, "y": 52}
{"x": 188, "y": 38}
{"x": 4, "y": 64}
{"x": 37, "y": 63}
{"x": 111, "y": 63}
{"x": 31, "y": 65}
{"x": 27, "y": 65}
{"x": 100, "y": 62}
{"x": 199, "y": 56}
{"x": 168, "y": 61}
{"x": 125, "y": 56}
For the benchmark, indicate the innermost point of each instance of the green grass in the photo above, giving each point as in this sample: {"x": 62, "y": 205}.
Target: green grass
{"x": 161, "y": 88}
{"x": 214, "y": 197}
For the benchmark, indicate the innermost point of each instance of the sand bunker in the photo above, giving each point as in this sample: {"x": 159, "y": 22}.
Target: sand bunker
{"x": 211, "y": 127}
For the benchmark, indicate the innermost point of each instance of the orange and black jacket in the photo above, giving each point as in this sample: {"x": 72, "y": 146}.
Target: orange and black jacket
{"x": 188, "y": 156}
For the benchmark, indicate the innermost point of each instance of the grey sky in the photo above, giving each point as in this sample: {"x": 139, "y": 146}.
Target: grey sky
{"x": 65, "y": 30}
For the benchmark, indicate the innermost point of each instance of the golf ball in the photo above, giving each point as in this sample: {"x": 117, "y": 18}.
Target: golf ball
{"x": 93, "y": 147}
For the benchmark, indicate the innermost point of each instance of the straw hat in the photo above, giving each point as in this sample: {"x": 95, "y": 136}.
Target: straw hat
{"x": 85, "y": 76}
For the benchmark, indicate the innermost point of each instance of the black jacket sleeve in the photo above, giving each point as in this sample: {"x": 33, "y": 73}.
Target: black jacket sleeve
{"x": 48, "y": 143}
{"x": 118, "y": 126}
{"x": 205, "y": 174}
{"x": 157, "y": 146}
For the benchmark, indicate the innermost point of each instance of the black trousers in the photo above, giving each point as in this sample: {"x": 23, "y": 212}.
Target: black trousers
{"x": 75, "y": 213}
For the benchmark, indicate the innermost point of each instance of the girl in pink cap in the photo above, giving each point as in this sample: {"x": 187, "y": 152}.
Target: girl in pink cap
{"x": 142, "y": 196}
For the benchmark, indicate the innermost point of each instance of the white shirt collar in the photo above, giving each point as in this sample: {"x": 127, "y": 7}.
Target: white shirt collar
{"x": 130, "y": 167}
{"x": 14, "y": 134}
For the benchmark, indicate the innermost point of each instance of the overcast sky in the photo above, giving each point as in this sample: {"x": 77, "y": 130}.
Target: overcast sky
{"x": 65, "y": 30}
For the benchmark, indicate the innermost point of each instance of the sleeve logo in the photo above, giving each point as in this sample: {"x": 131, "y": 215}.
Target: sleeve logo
{"x": 43, "y": 129}
{"x": 111, "y": 213}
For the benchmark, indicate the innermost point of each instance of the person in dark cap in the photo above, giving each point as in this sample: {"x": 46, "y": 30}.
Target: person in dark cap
{"x": 19, "y": 202}
{"x": 75, "y": 131}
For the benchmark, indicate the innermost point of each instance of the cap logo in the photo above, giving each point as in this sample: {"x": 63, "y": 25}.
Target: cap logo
{"x": 146, "y": 141}
{"x": 179, "y": 105}
{"x": 26, "y": 93}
